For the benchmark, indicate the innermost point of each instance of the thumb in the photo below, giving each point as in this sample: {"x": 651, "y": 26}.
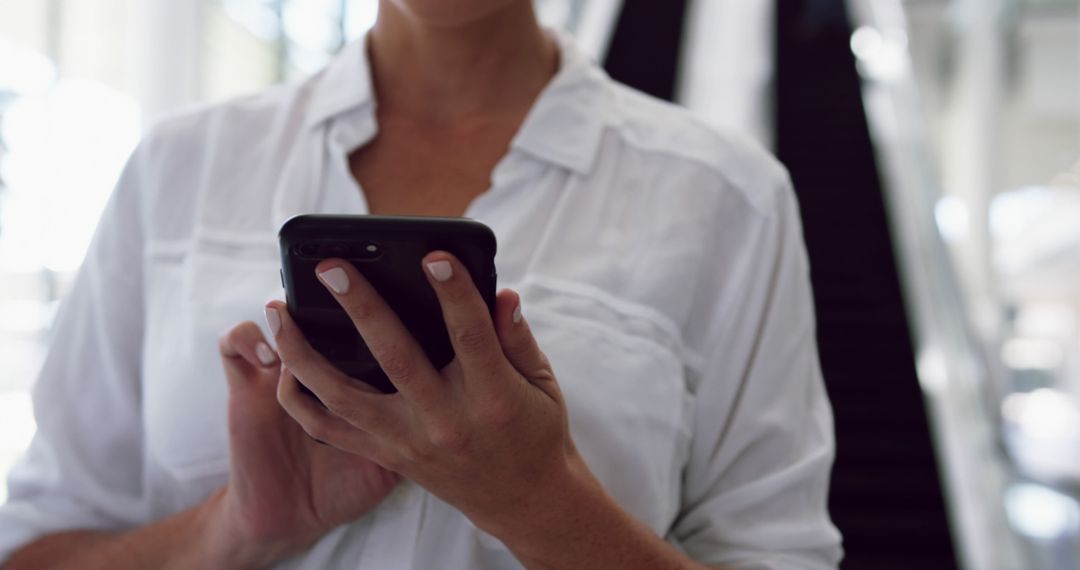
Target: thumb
{"x": 251, "y": 369}
{"x": 518, "y": 344}
{"x": 247, "y": 357}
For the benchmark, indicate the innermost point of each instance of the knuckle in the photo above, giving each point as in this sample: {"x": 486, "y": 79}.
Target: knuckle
{"x": 337, "y": 403}
{"x": 354, "y": 416}
{"x": 518, "y": 347}
{"x": 285, "y": 400}
{"x": 228, "y": 338}
{"x": 416, "y": 453}
{"x": 283, "y": 390}
{"x": 287, "y": 385}
{"x": 545, "y": 375}
{"x": 249, "y": 327}
{"x": 235, "y": 335}
{"x": 395, "y": 462}
{"x": 319, "y": 428}
{"x": 449, "y": 438}
{"x": 546, "y": 369}
{"x": 348, "y": 405}
{"x": 395, "y": 364}
{"x": 498, "y": 412}
{"x": 471, "y": 337}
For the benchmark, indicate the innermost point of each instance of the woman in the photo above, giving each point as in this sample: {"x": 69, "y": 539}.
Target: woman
{"x": 675, "y": 418}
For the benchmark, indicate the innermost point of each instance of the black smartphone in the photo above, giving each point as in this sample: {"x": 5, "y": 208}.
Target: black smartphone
{"x": 387, "y": 250}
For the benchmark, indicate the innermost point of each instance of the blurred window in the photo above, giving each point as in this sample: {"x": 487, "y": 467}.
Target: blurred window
{"x": 68, "y": 120}
{"x": 255, "y": 43}
{"x": 975, "y": 105}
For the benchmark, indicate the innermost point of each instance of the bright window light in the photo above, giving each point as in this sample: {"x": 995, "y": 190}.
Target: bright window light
{"x": 24, "y": 71}
{"x": 1040, "y": 512}
{"x": 65, "y": 151}
{"x": 1043, "y": 414}
{"x": 1032, "y": 354}
{"x": 951, "y": 215}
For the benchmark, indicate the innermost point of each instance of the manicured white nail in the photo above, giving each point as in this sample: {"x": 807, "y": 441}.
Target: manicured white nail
{"x": 336, "y": 280}
{"x": 440, "y": 270}
{"x": 265, "y": 354}
{"x": 273, "y": 320}
{"x": 517, "y": 314}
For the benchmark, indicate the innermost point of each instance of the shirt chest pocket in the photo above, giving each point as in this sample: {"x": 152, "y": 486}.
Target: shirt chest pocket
{"x": 197, "y": 297}
{"x": 624, "y": 382}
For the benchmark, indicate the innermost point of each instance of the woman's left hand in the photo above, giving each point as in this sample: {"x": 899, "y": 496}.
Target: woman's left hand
{"x": 488, "y": 433}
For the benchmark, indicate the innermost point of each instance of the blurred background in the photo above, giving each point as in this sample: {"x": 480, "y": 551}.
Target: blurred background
{"x": 934, "y": 145}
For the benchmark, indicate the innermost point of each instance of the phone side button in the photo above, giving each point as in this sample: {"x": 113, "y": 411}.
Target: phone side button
{"x": 281, "y": 274}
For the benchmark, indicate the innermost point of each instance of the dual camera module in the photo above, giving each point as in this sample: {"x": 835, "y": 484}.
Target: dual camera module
{"x": 360, "y": 251}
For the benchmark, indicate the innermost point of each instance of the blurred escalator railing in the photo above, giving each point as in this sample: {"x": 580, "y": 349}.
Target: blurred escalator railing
{"x": 1002, "y": 432}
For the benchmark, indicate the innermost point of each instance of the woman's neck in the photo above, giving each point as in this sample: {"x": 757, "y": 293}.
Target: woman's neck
{"x": 444, "y": 74}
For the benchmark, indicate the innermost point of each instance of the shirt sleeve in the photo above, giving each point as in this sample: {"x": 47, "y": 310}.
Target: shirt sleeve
{"x": 757, "y": 478}
{"x": 83, "y": 468}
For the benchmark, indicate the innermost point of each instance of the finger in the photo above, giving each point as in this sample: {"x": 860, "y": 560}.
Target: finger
{"x": 517, "y": 341}
{"x": 468, "y": 320}
{"x": 393, "y": 346}
{"x": 245, "y": 352}
{"x": 350, "y": 399}
{"x": 251, "y": 370}
{"x": 320, "y": 423}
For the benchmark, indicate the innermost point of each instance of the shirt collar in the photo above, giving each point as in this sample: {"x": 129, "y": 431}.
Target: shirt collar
{"x": 345, "y": 84}
{"x": 564, "y": 126}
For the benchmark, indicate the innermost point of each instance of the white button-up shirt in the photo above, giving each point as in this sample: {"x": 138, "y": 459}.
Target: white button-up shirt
{"x": 661, "y": 266}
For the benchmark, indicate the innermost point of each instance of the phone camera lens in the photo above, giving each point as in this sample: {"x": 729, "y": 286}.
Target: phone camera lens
{"x": 307, "y": 250}
{"x": 336, "y": 249}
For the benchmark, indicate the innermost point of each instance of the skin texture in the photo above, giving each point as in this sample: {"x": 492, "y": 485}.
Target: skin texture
{"x": 437, "y": 87}
{"x": 444, "y": 71}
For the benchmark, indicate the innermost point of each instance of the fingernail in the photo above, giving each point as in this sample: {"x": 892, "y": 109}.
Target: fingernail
{"x": 265, "y": 354}
{"x": 336, "y": 280}
{"x": 440, "y": 270}
{"x": 273, "y": 320}
{"x": 517, "y": 314}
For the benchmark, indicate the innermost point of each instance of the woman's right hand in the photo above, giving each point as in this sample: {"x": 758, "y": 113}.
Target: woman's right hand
{"x": 285, "y": 490}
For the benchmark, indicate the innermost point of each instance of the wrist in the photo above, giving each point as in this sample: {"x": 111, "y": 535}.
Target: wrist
{"x": 574, "y": 523}
{"x": 561, "y": 510}
{"x": 225, "y": 543}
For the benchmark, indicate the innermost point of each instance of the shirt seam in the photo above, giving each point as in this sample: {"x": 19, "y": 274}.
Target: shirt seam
{"x": 758, "y": 204}
{"x": 690, "y": 357}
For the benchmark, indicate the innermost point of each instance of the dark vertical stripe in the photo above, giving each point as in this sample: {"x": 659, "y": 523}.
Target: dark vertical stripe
{"x": 645, "y": 47}
{"x": 886, "y": 493}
